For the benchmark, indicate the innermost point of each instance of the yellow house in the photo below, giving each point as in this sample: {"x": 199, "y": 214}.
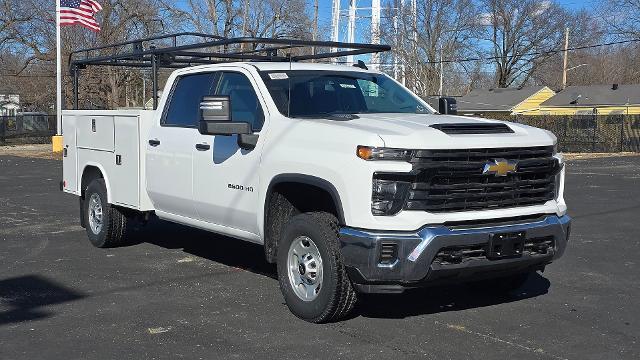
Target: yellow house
{"x": 507, "y": 101}
{"x": 593, "y": 99}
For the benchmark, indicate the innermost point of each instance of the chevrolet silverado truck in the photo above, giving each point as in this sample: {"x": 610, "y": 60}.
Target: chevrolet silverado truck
{"x": 350, "y": 182}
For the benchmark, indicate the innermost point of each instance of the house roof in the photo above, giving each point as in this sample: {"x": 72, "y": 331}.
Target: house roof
{"x": 496, "y": 99}
{"x": 594, "y": 95}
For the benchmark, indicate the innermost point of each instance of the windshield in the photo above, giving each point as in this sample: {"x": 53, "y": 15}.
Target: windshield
{"x": 325, "y": 93}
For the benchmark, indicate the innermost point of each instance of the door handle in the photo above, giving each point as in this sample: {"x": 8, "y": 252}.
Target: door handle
{"x": 154, "y": 142}
{"x": 203, "y": 147}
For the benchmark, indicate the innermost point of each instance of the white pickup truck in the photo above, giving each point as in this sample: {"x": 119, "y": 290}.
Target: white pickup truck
{"x": 350, "y": 182}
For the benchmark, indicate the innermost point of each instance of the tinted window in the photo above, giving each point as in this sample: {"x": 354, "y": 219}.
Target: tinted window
{"x": 184, "y": 105}
{"x": 245, "y": 106}
{"x": 318, "y": 94}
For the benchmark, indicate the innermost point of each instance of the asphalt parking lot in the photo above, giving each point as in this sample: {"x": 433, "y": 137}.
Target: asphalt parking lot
{"x": 183, "y": 293}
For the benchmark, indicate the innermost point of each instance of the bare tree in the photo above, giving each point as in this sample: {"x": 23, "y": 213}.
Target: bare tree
{"x": 216, "y": 17}
{"x": 265, "y": 18}
{"x": 521, "y": 34}
{"x": 439, "y": 26}
{"x": 584, "y": 30}
{"x": 279, "y": 18}
{"x": 623, "y": 16}
{"x": 27, "y": 28}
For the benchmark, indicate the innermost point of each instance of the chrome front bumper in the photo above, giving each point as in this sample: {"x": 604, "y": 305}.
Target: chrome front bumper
{"x": 416, "y": 252}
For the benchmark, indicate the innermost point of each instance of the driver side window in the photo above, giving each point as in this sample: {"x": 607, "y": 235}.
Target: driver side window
{"x": 245, "y": 106}
{"x": 183, "y": 109}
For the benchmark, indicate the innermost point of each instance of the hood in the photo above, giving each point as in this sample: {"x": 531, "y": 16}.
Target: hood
{"x": 413, "y": 131}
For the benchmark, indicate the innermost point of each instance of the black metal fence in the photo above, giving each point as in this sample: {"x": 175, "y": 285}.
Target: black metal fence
{"x": 27, "y": 127}
{"x": 588, "y": 133}
{"x": 579, "y": 133}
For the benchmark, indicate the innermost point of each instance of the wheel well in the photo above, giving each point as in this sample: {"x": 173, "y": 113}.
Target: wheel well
{"x": 89, "y": 174}
{"x": 288, "y": 199}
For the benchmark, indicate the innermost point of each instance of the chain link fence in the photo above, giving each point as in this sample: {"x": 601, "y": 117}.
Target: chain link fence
{"x": 579, "y": 133}
{"x": 27, "y": 128}
{"x": 587, "y": 133}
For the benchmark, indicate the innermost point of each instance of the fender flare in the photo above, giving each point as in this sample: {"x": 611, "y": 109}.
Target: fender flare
{"x": 308, "y": 180}
{"x": 104, "y": 176}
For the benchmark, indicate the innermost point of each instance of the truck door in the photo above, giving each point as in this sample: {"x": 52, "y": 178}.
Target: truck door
{"x": 169, "y": 162}
{"x": 225, "y": 176}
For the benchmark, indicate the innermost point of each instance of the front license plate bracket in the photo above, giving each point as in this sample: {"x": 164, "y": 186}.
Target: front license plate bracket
{"x": 506, "y": 245}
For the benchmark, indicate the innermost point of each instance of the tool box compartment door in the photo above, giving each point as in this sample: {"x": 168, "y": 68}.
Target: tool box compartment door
{"x": 95, "y": 132}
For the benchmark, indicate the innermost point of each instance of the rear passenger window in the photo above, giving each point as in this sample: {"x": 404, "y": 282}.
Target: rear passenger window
{"x": 184, "y": 104}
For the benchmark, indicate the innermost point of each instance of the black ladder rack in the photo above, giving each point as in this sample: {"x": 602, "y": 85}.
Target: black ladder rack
{"x": 189, "y": 49}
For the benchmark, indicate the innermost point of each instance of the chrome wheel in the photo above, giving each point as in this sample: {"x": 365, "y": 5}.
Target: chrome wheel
{"x": 304, "y": 265}
{"x": 95, "y": 213}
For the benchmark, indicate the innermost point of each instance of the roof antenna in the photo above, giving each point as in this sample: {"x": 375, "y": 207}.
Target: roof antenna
{"x": 361, "y": 65}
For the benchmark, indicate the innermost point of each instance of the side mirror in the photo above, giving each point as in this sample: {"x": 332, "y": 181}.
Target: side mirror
{"x": 448, "y": 106}
{"x": 215, "y": 118}
{"x": 215, "y": 108}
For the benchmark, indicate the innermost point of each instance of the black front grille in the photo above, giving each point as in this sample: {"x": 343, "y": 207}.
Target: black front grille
{"x": 453, "y": 180}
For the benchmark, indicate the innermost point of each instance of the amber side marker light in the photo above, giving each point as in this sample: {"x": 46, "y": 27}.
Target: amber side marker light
{"x": 364, "y": 152}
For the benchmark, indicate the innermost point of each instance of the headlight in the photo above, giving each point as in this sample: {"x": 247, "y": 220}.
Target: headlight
{"x": 388, "y": 196}
{"x": 373, "y": 153}
{"x": 558, "y": 180}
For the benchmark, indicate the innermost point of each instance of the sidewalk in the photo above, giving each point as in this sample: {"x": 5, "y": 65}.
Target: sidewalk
{"x": 38, "y": 151}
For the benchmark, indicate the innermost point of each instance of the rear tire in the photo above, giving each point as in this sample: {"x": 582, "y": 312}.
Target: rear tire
{"x": 312, "y": 277}
{"x": 105, "y": 224}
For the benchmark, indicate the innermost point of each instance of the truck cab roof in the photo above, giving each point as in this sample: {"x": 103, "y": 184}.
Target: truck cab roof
{"x": 282, "y": 66}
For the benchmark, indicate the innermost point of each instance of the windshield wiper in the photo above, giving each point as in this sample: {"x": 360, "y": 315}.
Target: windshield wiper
{"x": 338, "y": 115}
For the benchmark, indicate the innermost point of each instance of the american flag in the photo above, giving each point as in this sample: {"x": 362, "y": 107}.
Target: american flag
{"x": 80, "y": 12}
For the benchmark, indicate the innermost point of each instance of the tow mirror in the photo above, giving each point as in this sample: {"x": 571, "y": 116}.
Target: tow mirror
{"x": 215, "y": 108}
{"x": 215, "y": 118}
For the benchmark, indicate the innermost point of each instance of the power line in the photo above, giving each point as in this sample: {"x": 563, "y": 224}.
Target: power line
{"x": 548, "y": 52}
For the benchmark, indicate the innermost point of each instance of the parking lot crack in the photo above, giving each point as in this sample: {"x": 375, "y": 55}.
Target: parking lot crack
{"x": 495, "y": 339}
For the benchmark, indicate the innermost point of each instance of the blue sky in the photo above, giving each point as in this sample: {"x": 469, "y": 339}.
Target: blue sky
{"x": 325, "y": 8}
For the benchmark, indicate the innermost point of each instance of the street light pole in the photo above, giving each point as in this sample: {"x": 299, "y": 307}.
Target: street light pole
{"x": 566, "y": 58}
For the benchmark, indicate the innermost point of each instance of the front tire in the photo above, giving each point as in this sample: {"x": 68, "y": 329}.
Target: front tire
{"x": 312, "y": 277}
{"x": 106, "y": 225}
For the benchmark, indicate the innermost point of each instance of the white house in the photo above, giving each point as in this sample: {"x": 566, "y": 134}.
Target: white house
{"x": 9, "y": 104}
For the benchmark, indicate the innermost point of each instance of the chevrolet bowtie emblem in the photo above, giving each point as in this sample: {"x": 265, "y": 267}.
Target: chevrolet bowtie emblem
{"x": 500, "y": 167}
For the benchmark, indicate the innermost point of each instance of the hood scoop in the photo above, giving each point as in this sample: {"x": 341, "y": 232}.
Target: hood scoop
{"x": 473, "y": 128}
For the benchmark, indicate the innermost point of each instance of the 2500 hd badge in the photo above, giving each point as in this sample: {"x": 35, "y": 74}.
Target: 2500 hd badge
{"x": 240, "y": 187}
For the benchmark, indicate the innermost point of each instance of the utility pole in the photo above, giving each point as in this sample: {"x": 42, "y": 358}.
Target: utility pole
{"x": 335, "y": 25}
{"x": 315, "y": 20}
{"x": 245, "y": 16}
{"x": 414, "y": 15}
{"x": 440, "y": 92}
{"x": 566, "y": 58}
{"x": 396, "y": 35}
{"x": 375, "y": 32}
{"x": 315, "y": 25}
{"x": 351, "y": 30}
{"x": 245, "y": 13}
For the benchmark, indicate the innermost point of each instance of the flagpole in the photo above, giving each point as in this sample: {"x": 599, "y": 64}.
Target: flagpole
{"x": 56, "y": 141}
{"x": 58, "y": 72}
